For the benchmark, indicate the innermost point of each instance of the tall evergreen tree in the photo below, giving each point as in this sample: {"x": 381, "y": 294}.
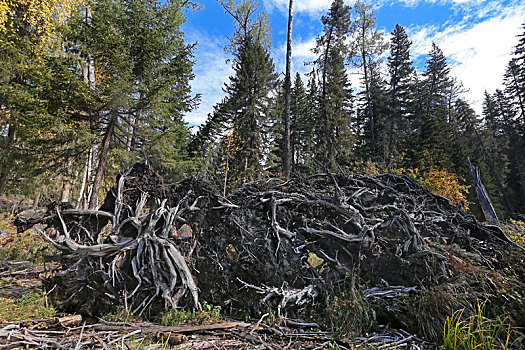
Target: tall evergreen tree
{"x": 336, "y": 96}
{"x": 436, "y": 132}
{"x": 302, "y": 127}
{"x": 144, "y": 68}
{"x": 249, "y": 100}
{"x": 42, "y": 103}
{"x": 400, "y": 85}
{"x": 507, "y": 129}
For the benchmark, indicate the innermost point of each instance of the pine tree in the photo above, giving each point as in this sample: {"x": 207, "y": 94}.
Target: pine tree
{"x": 370, "y": 120}
{"x": 515, "y": 76}
{"x": 336, "y": 95}
{"x": 249, "y": 102}
{"x": 42, "y": 103}
{"x": 302, "y": 122}
{"x": 506, "y": 128}
{"x": 143, "y": 72}
{"x": 400, "y": 85}
{"x": 436, "y": 132}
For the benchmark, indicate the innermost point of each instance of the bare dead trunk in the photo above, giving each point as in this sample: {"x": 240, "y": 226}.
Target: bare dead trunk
{"x": 287, "y": 152}
{"x": 37, "y": 199}
{"x": 93, "y": 200}
{"x": 483, "y": 196}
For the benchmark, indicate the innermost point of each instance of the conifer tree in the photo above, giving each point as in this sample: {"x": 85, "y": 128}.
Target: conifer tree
{"x": 143, "y": 73}
{"x": 367, "y": 46}
{"x": 400, "y": 85}
{"x": 302, "y": 129}
{"x": 42, "y": 103}
{"x": 249, "y": 102}
{"x": 507, "y": 128}
{"x": 436, "y": 132}
{"x": 336, "y": 95}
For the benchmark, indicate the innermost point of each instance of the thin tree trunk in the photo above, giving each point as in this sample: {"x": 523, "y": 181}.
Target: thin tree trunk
{"x": 134, "y": 135}
{"x": 369, "y": 109}
{"x": 66, "y": 184}
{"x": 287, "y": 151}
{"x": 93, "y": 200}
{"x": 37, "y": 199}
{"x": 325, "y": 112}
{"x": 85, "y": 177}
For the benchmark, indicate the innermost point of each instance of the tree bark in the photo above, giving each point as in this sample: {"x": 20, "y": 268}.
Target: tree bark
{"x": 325, "y": 112}
{"x": 287, "y": 152}
{"x": 66, "y": 184}
{"x": 93, "y": 200}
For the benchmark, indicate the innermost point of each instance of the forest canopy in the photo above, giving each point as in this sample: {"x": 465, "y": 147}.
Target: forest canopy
{"x": 90, "y": 87}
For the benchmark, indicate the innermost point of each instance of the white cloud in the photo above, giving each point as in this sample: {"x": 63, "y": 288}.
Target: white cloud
{"x": 477, "y": 53}
{"x": 312, "y": 7}
{"x": 211, "y": 72}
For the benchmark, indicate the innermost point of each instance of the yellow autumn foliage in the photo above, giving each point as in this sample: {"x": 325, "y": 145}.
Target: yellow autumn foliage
{"x": 445, "y": 184}
{"x": 439, "y": 181}
{"x": 41, "y": 15}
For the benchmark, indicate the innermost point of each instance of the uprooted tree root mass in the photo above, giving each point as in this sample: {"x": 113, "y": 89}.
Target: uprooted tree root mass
{"x": 292, "y": 246}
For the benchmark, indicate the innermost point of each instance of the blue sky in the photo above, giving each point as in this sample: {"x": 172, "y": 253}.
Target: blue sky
{"x": 477, "y": 36}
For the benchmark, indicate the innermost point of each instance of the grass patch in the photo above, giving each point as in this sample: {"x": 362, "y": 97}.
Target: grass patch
{"x": 30, "y": 304}
{"x": 348, "y": 312}
{"x": 426, "y": 312}
{"x": 209, "y": 314}
{"x": 477, "y": 331}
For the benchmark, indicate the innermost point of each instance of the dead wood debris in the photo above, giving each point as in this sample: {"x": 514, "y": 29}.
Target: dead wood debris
{"x": 59, "y": 334}
{"x": 271, "y": 244}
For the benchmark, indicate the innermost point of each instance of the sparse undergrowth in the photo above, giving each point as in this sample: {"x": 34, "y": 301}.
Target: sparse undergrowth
{"x": 348, "y": 312}
{"x": 30, "y": 304}
{"x": 469, "y": 332}
{"x": 209, "y": 314}
{"x": 29, "y": 245}
{"x": 515, "y": 229}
